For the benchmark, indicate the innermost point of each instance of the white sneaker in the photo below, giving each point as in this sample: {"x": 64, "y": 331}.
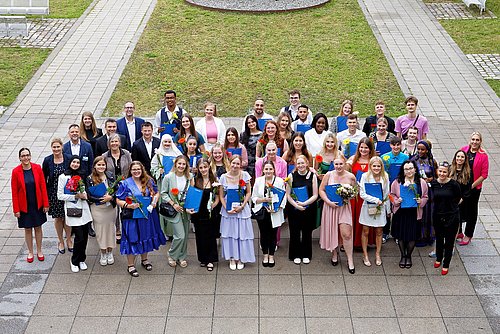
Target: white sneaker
{"x": 103, "y": 260}
{"x": 74, "y": 268}
{"x": 296, "y": 260}
{"x": 83, "y": 266}
{"x": 306, "y": 260}
{"x": 240, "y": 265}
{"x": 111, "y": 258}
{"x": 232, "y": 265}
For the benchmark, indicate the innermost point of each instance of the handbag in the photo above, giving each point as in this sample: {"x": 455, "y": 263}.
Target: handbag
{"x": 167, "y": 210}
{"x": 259, "y": 215}
{"x": 74, "y": 212}
{"x": 126, "y": 213}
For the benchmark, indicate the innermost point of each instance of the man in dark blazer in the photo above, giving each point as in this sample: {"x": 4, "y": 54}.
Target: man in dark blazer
{"x": 76, "y": 146}
{"x": 129, "y": 126}
{"x": 101, "y": 144}
{"x": 143, "y": 149}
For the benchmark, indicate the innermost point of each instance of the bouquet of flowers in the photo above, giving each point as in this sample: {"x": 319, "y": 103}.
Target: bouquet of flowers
{"x": 347, "y": 150}
{"x": 413, "y": 188}
{"x": 347, "y": 191}
{"x": 269, "y": 194}
{"x": 132, "y": 199}
{"x": 75, "y": 184}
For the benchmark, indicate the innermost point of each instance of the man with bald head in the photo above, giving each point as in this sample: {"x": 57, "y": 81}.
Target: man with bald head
{"x": 259, "y": 112}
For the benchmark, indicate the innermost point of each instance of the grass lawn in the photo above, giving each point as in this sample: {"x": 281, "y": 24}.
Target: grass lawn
{"x": 67, "y": 9}
{"x": 477, "y": 36}
{"x": 15, "y": 74}
{"x": 17, "y": 65}
{"x": 329, "y": 53}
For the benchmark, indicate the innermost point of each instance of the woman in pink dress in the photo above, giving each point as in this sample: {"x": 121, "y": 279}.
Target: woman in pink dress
{"x": 359, "y": 164}
{"x": 334, "y": 217}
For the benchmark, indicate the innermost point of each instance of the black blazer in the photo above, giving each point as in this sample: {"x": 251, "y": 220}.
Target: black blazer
{"x": 48, "y": 166}
{"x": 89, "y": 183}
{"x": 86, "y": 155}
{"x": 101, "y": 144}
{"x": 140, "y": 153}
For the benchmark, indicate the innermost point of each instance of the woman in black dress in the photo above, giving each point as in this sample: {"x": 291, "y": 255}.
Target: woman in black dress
{"x": 206, "y": 230}
{"x": 447, "y": 197}
{"x": 30, "y": 202}
{"x": 249, "y": 138}
{"x": 406, "y": 221}
{"x": 461, "y": 172}
{"x": 53, "y": 166}
{"x": 301, "y": 215}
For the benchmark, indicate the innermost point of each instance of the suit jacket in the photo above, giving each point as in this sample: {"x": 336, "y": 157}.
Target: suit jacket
{"x": 86, "y": 155}
{"x": 18, "y": 187}
{"x": 48, "y": 166}
{"x": 121, "y": 128}
{"x": 101, "y": 144}
{"x": 140, "y": 153}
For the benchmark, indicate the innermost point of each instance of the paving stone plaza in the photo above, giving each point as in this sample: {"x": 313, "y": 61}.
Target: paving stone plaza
{"x": 80, "y": 75}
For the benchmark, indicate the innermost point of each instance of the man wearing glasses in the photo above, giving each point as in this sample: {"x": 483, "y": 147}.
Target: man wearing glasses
{"x": 293, "y": 108}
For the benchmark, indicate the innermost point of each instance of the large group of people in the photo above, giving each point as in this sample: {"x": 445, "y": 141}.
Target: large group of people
{"x": 140, "y": 183}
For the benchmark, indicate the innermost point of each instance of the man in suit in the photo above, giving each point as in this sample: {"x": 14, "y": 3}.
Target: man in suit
{"x": 101, "y": 144}
{"x": 76, "y": 146}
{"x": 144, "y": 148}
{"x": 79, "y": 147}
{"x": 129, "y": 126}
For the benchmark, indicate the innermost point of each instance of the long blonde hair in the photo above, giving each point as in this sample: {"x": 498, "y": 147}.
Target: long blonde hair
{"x": 225, "y": 160}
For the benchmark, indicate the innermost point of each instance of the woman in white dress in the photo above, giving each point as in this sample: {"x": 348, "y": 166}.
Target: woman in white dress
{"x": 374, "y": 211}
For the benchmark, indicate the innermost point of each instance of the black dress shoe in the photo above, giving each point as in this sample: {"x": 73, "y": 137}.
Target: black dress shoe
{"x": 334, "y": 263}
{"x": 91, "y": 231}
{"x": 271, "y": 264}
{"x": 352, "y": 271}
{"x": 402, "y": 262}
{"x": 265, "y": 264}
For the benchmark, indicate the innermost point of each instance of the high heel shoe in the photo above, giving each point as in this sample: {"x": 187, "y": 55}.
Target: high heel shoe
{"x": 402, "y": 262}
{"x": 351, "y": 270}
{"x": 334, "y": 263}
{"x": 378, "y": 260}
{"x": 465, "y": 243}
{"x": 408, "y": 262}
{"x": 444, "y": 271}
{"x": 366, "y": 262}
{"x": 437, "y": 264}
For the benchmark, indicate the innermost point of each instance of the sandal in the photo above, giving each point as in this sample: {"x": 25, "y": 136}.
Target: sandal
{"x": 366, "y": 262}
{"x": 378, "y": 260}
{"x": 172, "y": 262}
{"x": 210, "y": 267}
{"x": 146, "y": 265}
{"x": 183, "y": 263}
{"x": 133, "y": 271}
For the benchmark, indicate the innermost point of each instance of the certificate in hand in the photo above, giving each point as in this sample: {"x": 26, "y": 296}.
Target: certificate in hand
{"x": 193, "y": 159}
{"x": 393, "y": 171}
{"x": 232, "y": 197}
{"x": 193, "y": 199}
{"x": 98, "y": 191}
{"x": 383, "y": 147}
{"x": 341, "y": 123}
{"x": 168, "y": 163}
{"x": 408, "y": 197}
{"x": 375, "y": 190}
{"x": 350, "y": 149}
{"x": 169, "y": 129}
{"x": 303, "y": 127}
{"x": 234, "y": 151}
{"x": 301, "y": 193}
{"x": 331, "y": 193}
{"x": 278, "y": 196}
{"x": 359, "y": 174}
{"x": 145, "y": 201}
{"x": 262, "y": 123}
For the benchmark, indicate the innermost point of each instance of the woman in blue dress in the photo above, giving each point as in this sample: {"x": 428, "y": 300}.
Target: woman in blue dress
{"x": 139, "y": 235}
